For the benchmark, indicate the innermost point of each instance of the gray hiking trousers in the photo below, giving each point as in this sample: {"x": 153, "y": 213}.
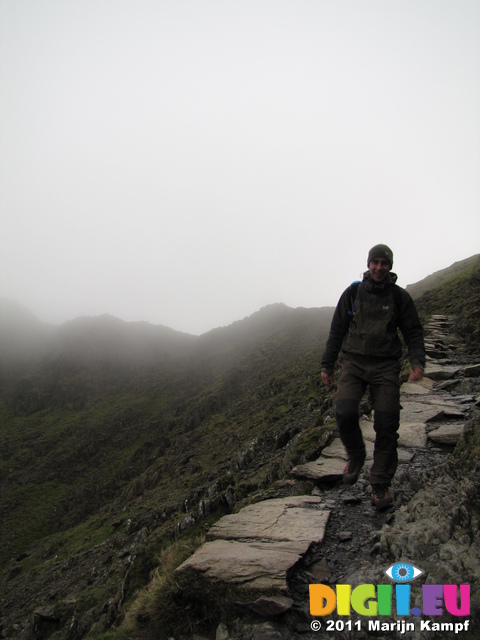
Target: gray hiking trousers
{"x": 383, "y": 378}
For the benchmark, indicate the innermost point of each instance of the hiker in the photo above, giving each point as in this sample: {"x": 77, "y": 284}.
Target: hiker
{"x": 364, "y": 326}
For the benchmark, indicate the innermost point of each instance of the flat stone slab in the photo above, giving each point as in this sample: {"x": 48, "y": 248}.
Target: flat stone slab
{"x": 441, "y": 372}
{"x": 453, "y": 413}
{"x": 447, "y": 434}
{"x": 261, "y": 566}
{"x": 412, "y": 434}
{"x": 466, "y": 399}
{"x": 256, "y": 547}
{"x": 326, "y": 469}
{"x": 337, "y": 450}
{"x": 426, "y": 382}
{"x": 472, "y": 371}
{"x": 298, "y": 520}
{"x": 404, "y": 455}
{"x": 424, "y": 411}
{"x": 414, "y": 388}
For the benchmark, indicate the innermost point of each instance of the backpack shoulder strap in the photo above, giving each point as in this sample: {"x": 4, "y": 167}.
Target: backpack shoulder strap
{"x": 353, "y": 294}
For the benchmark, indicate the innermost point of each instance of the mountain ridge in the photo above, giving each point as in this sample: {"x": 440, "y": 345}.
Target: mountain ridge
{"x": 20, "y": 313}
{"x": 419, "y": 288}
{"x": 17, "y": 321}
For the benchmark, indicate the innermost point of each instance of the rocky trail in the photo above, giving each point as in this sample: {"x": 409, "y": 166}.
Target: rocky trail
{"x": 276, "y": 548}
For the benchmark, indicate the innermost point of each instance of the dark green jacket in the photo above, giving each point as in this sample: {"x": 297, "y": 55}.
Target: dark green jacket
{"x": 379, "y": 310}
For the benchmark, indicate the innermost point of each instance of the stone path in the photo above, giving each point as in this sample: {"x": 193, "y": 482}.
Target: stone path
{"x": 257, "y": 547}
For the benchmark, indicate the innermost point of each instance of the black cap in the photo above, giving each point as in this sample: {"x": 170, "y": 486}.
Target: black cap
{"x": 380, "y": 251}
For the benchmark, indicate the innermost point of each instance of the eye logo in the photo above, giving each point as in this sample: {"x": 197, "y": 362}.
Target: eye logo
{"x": 403, "y": 572}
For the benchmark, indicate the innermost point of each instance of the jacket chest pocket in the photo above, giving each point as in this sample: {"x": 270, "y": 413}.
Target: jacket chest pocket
{"x": 385, "y": 314}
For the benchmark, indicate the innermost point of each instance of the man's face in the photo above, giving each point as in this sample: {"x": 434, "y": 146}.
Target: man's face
{"x": 379, "y": 268}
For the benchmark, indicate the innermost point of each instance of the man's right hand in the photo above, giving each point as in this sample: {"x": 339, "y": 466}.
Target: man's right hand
{"x": 327, "y": 378}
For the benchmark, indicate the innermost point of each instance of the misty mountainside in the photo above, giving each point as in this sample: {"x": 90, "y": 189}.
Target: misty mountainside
{"x": 108, "y": 401}
{"x": 104, "y": 354}
{"x": 109, "y": 429}
{"x": 85, "y": 339}
{"x": 22, "y": 336}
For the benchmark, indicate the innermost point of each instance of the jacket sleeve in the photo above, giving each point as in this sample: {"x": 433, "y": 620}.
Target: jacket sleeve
{"x": 338, "y": 330}
{"x": 412, "y": 331}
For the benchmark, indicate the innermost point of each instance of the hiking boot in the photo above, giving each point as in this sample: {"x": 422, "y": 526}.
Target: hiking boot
{"x": 381, "y": 496}
{"x": 352, "y": 470}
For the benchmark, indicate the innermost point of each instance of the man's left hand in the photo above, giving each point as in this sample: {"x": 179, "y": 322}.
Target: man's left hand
{"x": 327, "y": 378}
{"x": 416, "y": 374}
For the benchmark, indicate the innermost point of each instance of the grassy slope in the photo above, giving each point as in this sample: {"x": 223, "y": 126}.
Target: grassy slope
{"x": 454, "y": 291}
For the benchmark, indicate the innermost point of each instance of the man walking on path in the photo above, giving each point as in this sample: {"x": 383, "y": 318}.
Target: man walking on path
{"x": 365, "y": 327}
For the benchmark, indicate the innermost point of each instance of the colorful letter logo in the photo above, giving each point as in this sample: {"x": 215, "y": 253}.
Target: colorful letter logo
{"x": 372, "y": 600}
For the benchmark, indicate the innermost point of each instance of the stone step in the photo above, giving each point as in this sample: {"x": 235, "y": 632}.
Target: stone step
{"x": 472, "y": 371}
{"x": 422, "y": 387}
{"x": 448, "y": 434}
{"x": 429, "y": 409}
{"x": 441, "y": 372}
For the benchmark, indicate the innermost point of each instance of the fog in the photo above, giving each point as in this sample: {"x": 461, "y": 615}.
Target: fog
{"x": 186, "y": 163}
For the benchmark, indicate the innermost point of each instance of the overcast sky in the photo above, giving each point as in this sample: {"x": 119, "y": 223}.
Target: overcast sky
{"x": 186, "y": 162}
